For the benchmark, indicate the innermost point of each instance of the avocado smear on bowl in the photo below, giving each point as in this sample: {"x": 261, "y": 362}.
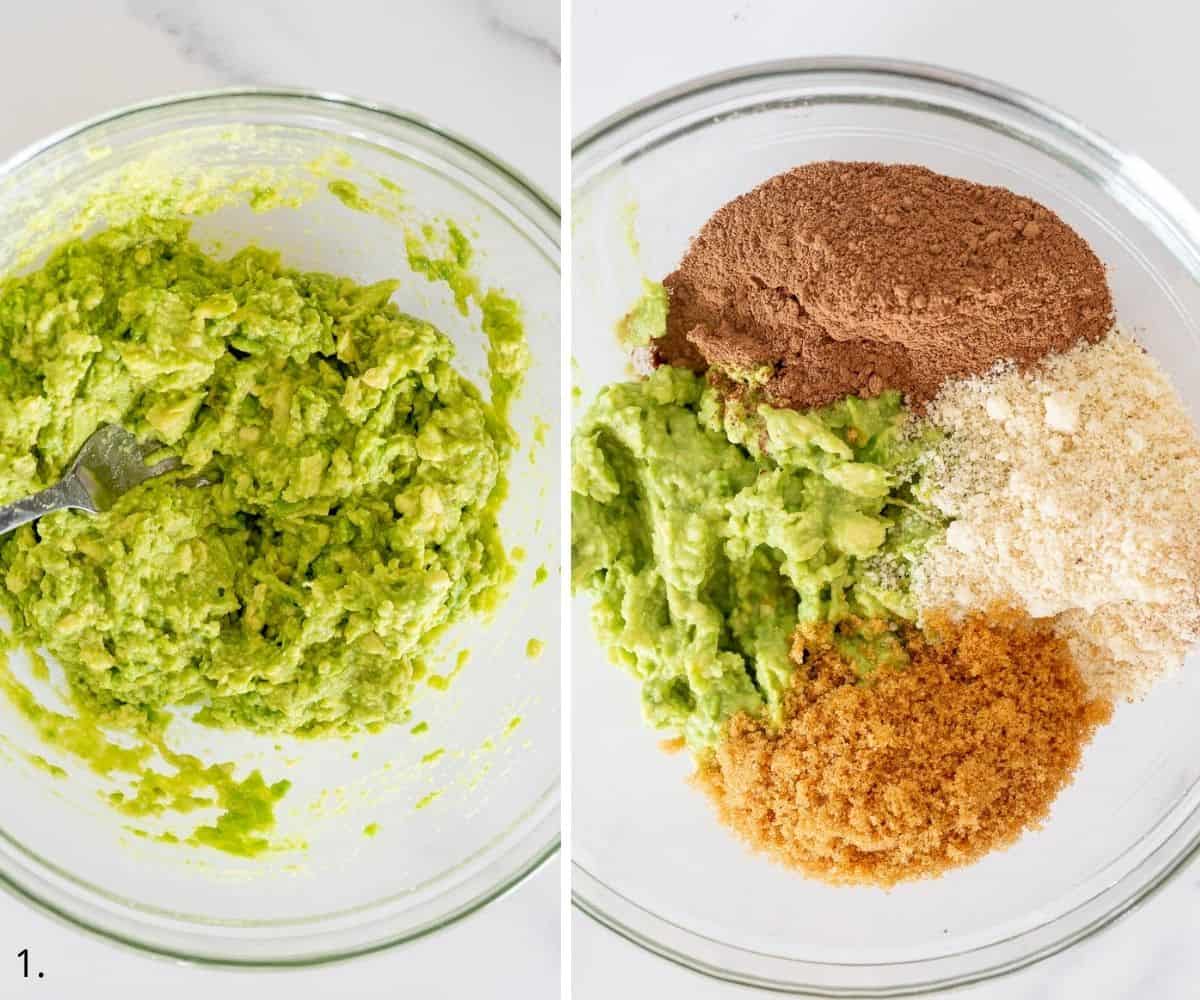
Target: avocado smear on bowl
{"x": 706, "y": 529}
{"x": 302, "y": 588}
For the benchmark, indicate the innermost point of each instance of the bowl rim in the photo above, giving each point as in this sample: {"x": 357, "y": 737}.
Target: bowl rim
{"x": 330, "y": 98}
{"x": 1177, "y": 218}
{"x": 493, "y": 168}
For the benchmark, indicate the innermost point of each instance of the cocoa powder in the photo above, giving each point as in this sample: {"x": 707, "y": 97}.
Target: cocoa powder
{"x": 838, "y": 279}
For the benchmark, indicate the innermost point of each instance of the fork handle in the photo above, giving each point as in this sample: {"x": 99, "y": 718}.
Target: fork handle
{"x": 60, "y": 496}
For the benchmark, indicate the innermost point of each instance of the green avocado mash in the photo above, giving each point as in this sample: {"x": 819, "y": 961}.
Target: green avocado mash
{"x": 301, "y": 591}
{"x": 706, "y": 530}
{"x": 648, "y": 317}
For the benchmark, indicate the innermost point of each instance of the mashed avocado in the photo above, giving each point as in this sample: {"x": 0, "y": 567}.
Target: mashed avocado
{"x": 354, "y": 476}
{"x": 648, "y": 317}
{"x": 706, "y": 530}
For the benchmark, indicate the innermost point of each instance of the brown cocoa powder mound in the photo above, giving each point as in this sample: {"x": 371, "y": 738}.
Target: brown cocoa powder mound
{"x": 918, "y": 770}
{"x": 852, "y": 278}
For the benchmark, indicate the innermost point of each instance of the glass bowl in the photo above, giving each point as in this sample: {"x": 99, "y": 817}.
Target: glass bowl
{"x": 496, "y": 818}
{"x": 650, "y": 861}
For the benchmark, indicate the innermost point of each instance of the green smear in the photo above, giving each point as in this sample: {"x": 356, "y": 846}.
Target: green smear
{"x": 647, "y": 319}
{"x": 40, "y": 762}
{"x": 348, "y": 194}
{"x": 247, "y": 805}
{"x": 501, "y": 315}
{"x": 387, "y": 202}
{"x": 629, "y": 216}
{"x": 540, "y": 428}
{"x": 442, "y": 682}
{"x": 38, "y": 666}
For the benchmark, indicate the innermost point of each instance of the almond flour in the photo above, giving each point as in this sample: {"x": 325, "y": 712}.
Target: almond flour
{"x": 1074, "y": 489}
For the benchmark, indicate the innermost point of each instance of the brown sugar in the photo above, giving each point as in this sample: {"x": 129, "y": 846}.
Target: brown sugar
{"x": 840, "y": 279}
{"x": 917, "y": 770}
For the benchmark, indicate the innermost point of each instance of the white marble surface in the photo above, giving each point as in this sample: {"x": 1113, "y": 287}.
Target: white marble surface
{"x": 1127, "y": 69}
{"x": 486, "y": 68}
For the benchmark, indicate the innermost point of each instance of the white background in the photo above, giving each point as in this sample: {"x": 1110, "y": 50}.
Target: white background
{"x": 486, "y": 69}
{"x": 1127, "y": 68}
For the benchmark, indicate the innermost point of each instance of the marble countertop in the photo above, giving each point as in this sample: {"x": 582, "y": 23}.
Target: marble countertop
{"x": 1125, "y": 69}
{"x": 488, "y": 69}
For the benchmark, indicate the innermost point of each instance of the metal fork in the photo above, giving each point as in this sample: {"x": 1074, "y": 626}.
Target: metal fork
{"x": 110, "y": 463}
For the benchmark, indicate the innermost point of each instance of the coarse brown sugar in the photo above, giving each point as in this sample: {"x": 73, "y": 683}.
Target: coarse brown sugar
{"x": 838, "y": 279}
{"x": 916, "y": 770}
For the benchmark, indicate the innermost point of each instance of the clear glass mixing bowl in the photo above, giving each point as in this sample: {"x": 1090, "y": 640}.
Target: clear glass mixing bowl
{"x": 650, "y": 861}
{"x": 496, "y": 819}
